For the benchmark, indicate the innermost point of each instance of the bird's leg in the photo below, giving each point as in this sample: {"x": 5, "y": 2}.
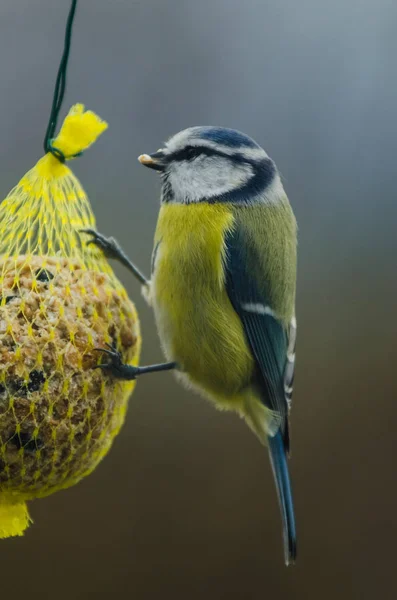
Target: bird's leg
{"x": 112, "y": 249}
{"x": 119, "y": 370}
{"x": 115, "y": 366}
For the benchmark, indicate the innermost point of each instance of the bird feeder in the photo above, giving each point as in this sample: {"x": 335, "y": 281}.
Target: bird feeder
{"x": 59, "y": 301}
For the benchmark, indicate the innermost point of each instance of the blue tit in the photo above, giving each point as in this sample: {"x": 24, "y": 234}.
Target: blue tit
{"x": 223, "y": 286}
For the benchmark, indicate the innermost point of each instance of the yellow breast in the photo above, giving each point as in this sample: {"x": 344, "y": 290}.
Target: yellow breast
{"x": 197, "y": 324}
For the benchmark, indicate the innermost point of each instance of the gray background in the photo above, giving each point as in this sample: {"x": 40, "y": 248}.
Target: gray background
{"x": 184, "y": 506}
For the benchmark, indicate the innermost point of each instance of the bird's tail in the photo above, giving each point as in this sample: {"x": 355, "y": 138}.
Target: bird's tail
{"x": 278, "y": 459}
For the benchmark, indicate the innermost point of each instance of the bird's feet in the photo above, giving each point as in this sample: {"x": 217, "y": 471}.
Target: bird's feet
{"x": 112, "y": 249}
{"x": 109, "y": 246}
{"x": 115, "y": 365}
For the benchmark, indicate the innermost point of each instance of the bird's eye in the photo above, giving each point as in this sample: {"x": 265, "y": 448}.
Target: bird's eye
{"x": 185, "y": 154}
{"x": 191, "y": 152}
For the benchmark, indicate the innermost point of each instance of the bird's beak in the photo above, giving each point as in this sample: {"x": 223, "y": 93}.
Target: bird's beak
{"x": 153, "y": 161}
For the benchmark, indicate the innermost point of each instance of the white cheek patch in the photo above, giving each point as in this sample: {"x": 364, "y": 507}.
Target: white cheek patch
{"x": 206, "y": 177}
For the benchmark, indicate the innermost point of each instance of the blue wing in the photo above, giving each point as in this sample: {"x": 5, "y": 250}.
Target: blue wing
{"x": 268, "y": 338}
{"x": 274, "y": 352}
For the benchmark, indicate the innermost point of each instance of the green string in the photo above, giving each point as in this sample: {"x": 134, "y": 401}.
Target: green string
{"x": 60, "y": 87}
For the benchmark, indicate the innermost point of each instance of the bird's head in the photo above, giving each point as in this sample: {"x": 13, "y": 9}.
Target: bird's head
{"x": 214, "y": 164}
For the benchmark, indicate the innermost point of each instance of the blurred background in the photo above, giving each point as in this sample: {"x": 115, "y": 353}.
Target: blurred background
{"x": 184, "y": 505}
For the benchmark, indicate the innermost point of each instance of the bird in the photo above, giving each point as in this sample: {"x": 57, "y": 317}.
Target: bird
{"x": 223, "y": 286}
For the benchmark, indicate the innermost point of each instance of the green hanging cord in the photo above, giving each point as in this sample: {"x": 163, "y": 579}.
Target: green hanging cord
{"x": 60, "y": 87}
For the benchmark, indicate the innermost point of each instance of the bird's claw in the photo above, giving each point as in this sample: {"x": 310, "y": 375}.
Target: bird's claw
{"x": 115, "y": 365}
{"x": 108, "y": 245}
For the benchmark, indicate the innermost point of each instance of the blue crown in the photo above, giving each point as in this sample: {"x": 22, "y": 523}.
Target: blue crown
{"x": 227, "y": 137}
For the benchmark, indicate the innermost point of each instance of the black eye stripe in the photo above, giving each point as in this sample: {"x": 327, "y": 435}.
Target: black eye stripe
{"x": 191, "y": 152}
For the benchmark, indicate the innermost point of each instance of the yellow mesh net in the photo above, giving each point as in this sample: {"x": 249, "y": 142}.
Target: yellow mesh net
{"x": 59, "y": 299}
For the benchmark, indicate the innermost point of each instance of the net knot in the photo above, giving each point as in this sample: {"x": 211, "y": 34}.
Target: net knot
{"x": 79, "y": 131}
